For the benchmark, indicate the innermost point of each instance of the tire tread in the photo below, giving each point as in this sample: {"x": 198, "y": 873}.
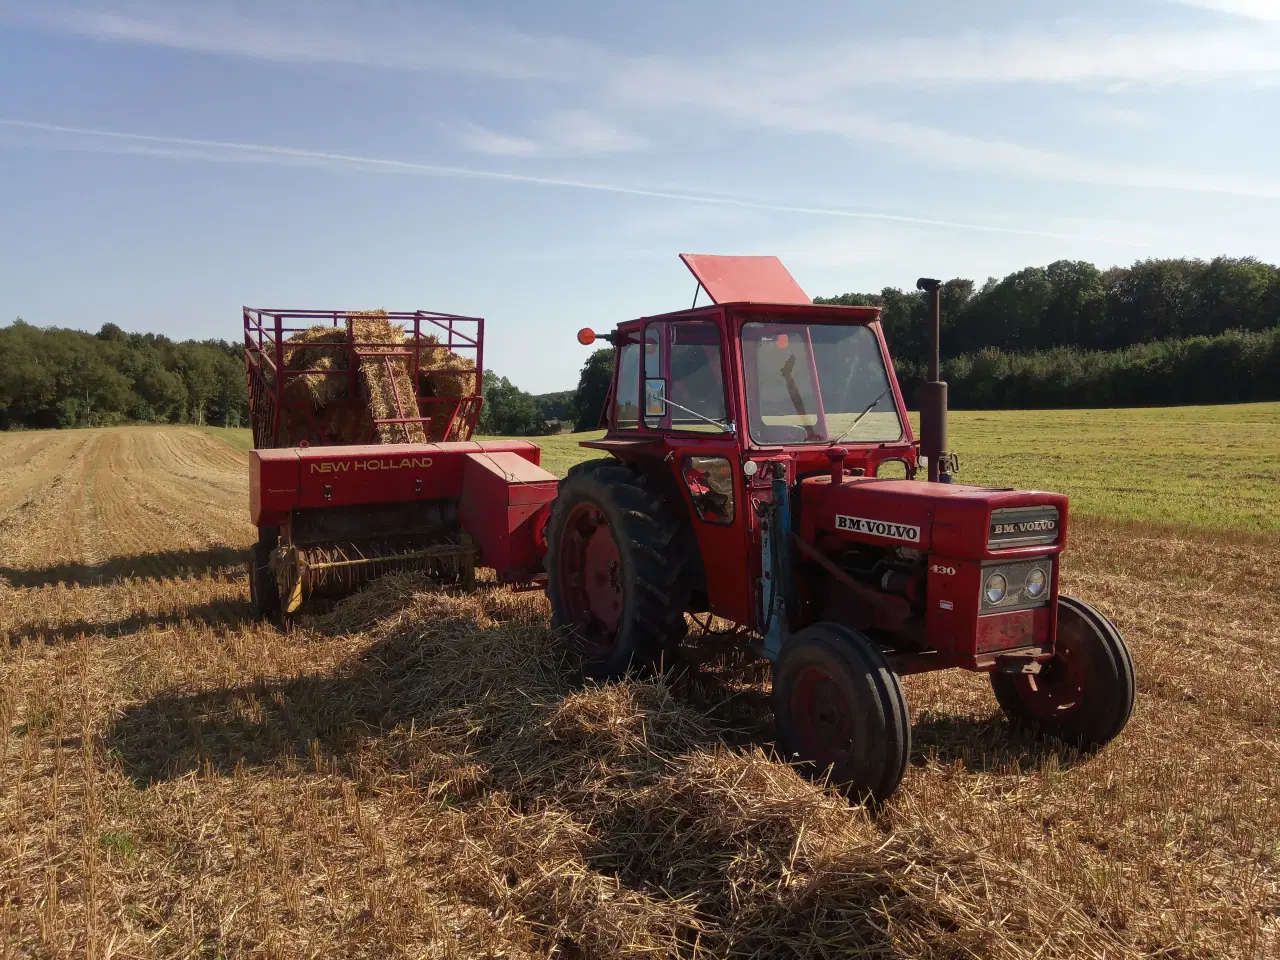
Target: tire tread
{"x": 647, "y": 530}
{"x": 876, "y": 776}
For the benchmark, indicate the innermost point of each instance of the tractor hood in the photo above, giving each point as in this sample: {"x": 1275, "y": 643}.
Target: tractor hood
{"x": 948, "y": 519}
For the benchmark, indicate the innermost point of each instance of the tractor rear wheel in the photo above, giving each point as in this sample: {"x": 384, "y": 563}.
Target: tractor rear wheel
{"x": 1084, "y": 695}
{"x": 616, "y": 574}
{"x": 840, "y": 711}
{"x": 264, "y": 594}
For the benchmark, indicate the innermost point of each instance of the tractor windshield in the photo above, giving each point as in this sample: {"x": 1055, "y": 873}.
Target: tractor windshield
{"x": 810, "y": 383}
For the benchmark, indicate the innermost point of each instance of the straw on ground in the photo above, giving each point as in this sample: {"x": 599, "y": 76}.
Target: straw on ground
{"x": 414, "y": 774}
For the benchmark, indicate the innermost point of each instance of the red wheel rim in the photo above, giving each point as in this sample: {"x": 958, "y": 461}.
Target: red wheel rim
{"x": 590, "y": 573}
{"x": 1058, "y": 690}
{"x": 821, "y": 718}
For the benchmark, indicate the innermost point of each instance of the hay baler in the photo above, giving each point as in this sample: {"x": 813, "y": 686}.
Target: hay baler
{"x": 759, "y": 466}
{"x": 363, "y": 461}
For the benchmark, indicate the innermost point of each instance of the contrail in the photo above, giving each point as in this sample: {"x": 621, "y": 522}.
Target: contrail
{"x": 269, "y": 153}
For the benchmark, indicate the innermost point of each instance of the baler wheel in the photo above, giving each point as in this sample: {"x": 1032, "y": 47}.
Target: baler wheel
{"x": 264, "y": 595}
{"x": 1084, "y": 695}
{"x": 616, "y": 574}
{"x": 840, "y": 711}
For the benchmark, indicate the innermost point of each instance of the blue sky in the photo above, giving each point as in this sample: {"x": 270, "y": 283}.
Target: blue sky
{"x": 163, "y": 163}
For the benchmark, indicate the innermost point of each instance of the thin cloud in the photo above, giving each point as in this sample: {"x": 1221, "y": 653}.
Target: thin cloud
{"x": 929, "y": 145}
{"x": 480, "y": 139}
{"x": 584, "y": 132}
{"x": 803, "y": 90}
{"x": 391, "y": 35}
{"x": 403, "y": 36}
{"x": 1249, "y": 9}
{"x": 959, "y": 151}
{"x": 564, "y": 133}
{"x": 187, "y": 148}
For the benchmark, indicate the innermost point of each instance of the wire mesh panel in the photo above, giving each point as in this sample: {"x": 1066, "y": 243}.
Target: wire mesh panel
{"x": 323, "y": 377}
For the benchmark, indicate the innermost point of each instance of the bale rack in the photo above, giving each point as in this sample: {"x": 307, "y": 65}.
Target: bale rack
{"x": 283, "y": 417}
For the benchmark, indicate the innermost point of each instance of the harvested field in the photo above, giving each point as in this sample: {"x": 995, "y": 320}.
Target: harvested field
{"x": 415, "y": 775}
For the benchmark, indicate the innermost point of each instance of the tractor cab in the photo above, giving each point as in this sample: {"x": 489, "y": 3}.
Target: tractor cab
{"x": 760, "y": 467}
{"x": 772, "y": 379}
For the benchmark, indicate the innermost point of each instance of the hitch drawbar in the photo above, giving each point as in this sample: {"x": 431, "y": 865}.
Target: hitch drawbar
{"x": 1020, "y": 661}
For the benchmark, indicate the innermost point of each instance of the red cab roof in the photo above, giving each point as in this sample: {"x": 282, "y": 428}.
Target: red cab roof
{"x": 744, "y": 279}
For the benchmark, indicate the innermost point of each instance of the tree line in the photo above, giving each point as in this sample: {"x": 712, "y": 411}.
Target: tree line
{"x": 68, "y": 378}
{"x": 54, "y": 377}
{"x": 1063, "y": 335}
{"x": 510, "y": 411}
{"x": 1074, "y": 304}
{"x": 1071, "y": 335}
{"x": 1239, "y": 366}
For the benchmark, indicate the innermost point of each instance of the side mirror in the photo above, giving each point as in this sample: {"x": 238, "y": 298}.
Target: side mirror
{"x": 655, "y": 397}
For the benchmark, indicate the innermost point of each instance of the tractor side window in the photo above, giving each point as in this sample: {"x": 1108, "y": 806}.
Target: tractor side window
{"x": 697, "y": 377}
{"x": 710, "y": 484}
{"x": 626, "y": 414}
{"x": 655, "y": 410}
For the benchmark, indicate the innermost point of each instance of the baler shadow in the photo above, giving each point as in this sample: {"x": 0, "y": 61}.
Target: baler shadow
{"x": 163, "y": 565}
{"x": 225, "y": 614}
{"x": 990, "y": 745}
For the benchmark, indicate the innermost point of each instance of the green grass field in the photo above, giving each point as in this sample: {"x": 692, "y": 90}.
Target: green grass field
{"x": 239, "y": 437}
{"x": 1216, "y": 467}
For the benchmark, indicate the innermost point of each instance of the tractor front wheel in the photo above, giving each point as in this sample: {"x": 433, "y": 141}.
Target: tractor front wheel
{"x": 840, "y": 711}
{"x": 616, "y": 573}
{"x": 1084, "y": 695}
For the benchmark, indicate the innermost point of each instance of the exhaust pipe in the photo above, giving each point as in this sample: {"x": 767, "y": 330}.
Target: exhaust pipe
{"x": 933, "y": 393}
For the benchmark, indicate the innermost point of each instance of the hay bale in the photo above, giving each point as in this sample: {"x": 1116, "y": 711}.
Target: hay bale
{"x": 319, "y": 348}
{"x": 447, "y": 374}
{"x": 346, "y": 423}
{"x": 444, "y": 374}
{"x": 386, "y": 378}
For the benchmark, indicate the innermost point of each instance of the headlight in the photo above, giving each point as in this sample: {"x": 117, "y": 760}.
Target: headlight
{"x": 1036, "y": 583}
{"x": 1020, "y": 585}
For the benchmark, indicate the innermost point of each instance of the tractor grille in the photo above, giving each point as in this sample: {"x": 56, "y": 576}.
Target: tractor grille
{"x": 1023, "y": 527}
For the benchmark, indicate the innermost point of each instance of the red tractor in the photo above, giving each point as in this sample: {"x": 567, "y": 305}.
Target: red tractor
{"x": 749, "y": 472}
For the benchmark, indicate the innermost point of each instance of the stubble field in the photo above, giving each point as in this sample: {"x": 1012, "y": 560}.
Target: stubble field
{"x": 415, "y": 775}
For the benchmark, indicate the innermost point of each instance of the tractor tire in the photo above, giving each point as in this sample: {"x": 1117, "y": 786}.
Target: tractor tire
{"x": 264, "y": 594}
{"x": 617, "y": 576}
{"x": 1084, "y": 695}
{"x": 840, "y": 711}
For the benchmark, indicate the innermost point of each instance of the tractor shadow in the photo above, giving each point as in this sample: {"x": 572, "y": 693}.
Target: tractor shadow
{"x": 987, "y": 746}
{"x": 222, "y": 615}
{"x": 730, "y": 684}
{"x": 396, "y": 682}
{"x": 168, "y": 564}
{"x": 483, "y": 710}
